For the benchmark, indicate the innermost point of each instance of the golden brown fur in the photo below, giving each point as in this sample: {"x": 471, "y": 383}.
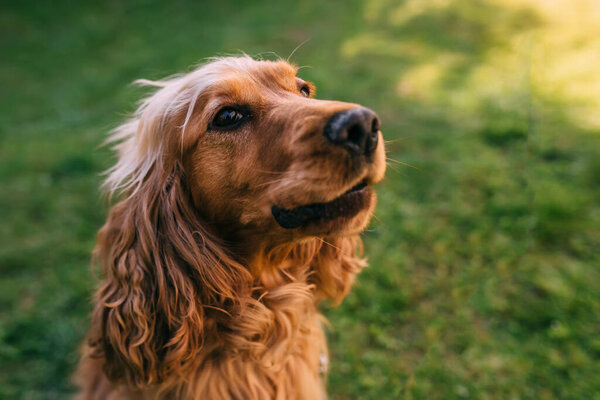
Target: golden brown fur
{"x": 204, "y": 295}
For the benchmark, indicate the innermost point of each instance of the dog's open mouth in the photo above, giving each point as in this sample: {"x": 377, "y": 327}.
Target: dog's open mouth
{"x": 347, "y": 205}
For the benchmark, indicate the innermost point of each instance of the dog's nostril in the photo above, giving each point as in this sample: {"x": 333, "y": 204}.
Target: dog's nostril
{"x": 375, "y": 125}
{"x": 356, "y": 135}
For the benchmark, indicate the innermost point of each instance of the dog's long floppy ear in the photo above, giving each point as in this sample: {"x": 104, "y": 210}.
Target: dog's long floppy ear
{"x": 162, "y": 268}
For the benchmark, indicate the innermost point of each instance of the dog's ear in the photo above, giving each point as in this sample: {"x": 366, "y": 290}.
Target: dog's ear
{"x": 336, "y": 265}
{"x": 161, "y": 269}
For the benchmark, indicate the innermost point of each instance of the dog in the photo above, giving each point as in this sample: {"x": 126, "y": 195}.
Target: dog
{"x": 241, "y": 201}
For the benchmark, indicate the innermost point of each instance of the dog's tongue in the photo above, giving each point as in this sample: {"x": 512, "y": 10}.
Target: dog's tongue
{"x": 347, "y": 205}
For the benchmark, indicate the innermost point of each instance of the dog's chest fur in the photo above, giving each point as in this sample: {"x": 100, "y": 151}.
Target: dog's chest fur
{"x": 274, "y": 349}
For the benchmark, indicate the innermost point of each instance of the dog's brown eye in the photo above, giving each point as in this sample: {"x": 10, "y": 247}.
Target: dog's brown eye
{"x": 305, "y": 90}
{"x": 229, "y": 118}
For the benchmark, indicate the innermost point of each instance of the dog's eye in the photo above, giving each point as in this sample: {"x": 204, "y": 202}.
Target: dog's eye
{"x": 305, "y": 90}
{"x": 229, "y": 118}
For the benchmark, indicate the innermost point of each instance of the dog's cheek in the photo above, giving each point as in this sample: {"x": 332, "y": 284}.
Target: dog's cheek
{"x": 209, "y": 181}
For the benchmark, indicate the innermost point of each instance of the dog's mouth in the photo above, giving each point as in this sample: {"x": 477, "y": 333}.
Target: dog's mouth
{"x": 347, "y": 205}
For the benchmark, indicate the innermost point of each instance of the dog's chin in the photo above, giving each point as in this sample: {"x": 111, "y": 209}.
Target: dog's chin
{"x": 343, "y": 226}
{"x": 346, "y": 215}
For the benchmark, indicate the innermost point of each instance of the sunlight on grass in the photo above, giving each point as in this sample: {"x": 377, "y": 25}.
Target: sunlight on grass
{"x": 566, "y": 57}
{"x": 544, "y": 48}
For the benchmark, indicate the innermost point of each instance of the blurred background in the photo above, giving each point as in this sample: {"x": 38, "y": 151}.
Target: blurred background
{"x": 484, "y": 278}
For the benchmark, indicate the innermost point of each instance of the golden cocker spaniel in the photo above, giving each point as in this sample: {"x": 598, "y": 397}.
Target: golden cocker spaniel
{"x": 241, "y": 201}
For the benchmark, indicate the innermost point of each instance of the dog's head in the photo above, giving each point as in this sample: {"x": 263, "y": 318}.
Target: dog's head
{"x": 229, "y": 161}
{"x": 260, "y": 154}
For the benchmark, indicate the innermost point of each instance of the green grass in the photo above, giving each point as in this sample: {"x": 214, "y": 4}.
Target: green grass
{"x": 484, "y": 280}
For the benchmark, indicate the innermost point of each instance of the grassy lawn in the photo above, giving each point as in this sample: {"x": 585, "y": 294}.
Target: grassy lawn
{"x": 485, "y": 258}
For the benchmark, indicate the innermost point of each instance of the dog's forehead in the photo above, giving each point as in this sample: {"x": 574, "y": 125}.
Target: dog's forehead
{"x": 240, "y": 71}
{"x": 265, "y": 70}
{"x": 268, "y": 72}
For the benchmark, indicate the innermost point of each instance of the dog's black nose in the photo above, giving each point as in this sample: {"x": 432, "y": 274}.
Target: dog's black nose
{"x": 355, "y": 129}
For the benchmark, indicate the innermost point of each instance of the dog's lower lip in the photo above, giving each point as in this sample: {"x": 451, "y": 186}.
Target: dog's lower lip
{"x": 348, "y": 205}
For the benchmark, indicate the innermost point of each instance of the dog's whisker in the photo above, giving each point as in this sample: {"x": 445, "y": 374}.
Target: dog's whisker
{"x": 394, "y": 168}
{"x": 393, "y": 140}
{"x": 402, "y": 163}
{"x": 296, "y": 49}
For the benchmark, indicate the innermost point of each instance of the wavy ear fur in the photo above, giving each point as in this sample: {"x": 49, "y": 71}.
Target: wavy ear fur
{"x": 161, "y": 268}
